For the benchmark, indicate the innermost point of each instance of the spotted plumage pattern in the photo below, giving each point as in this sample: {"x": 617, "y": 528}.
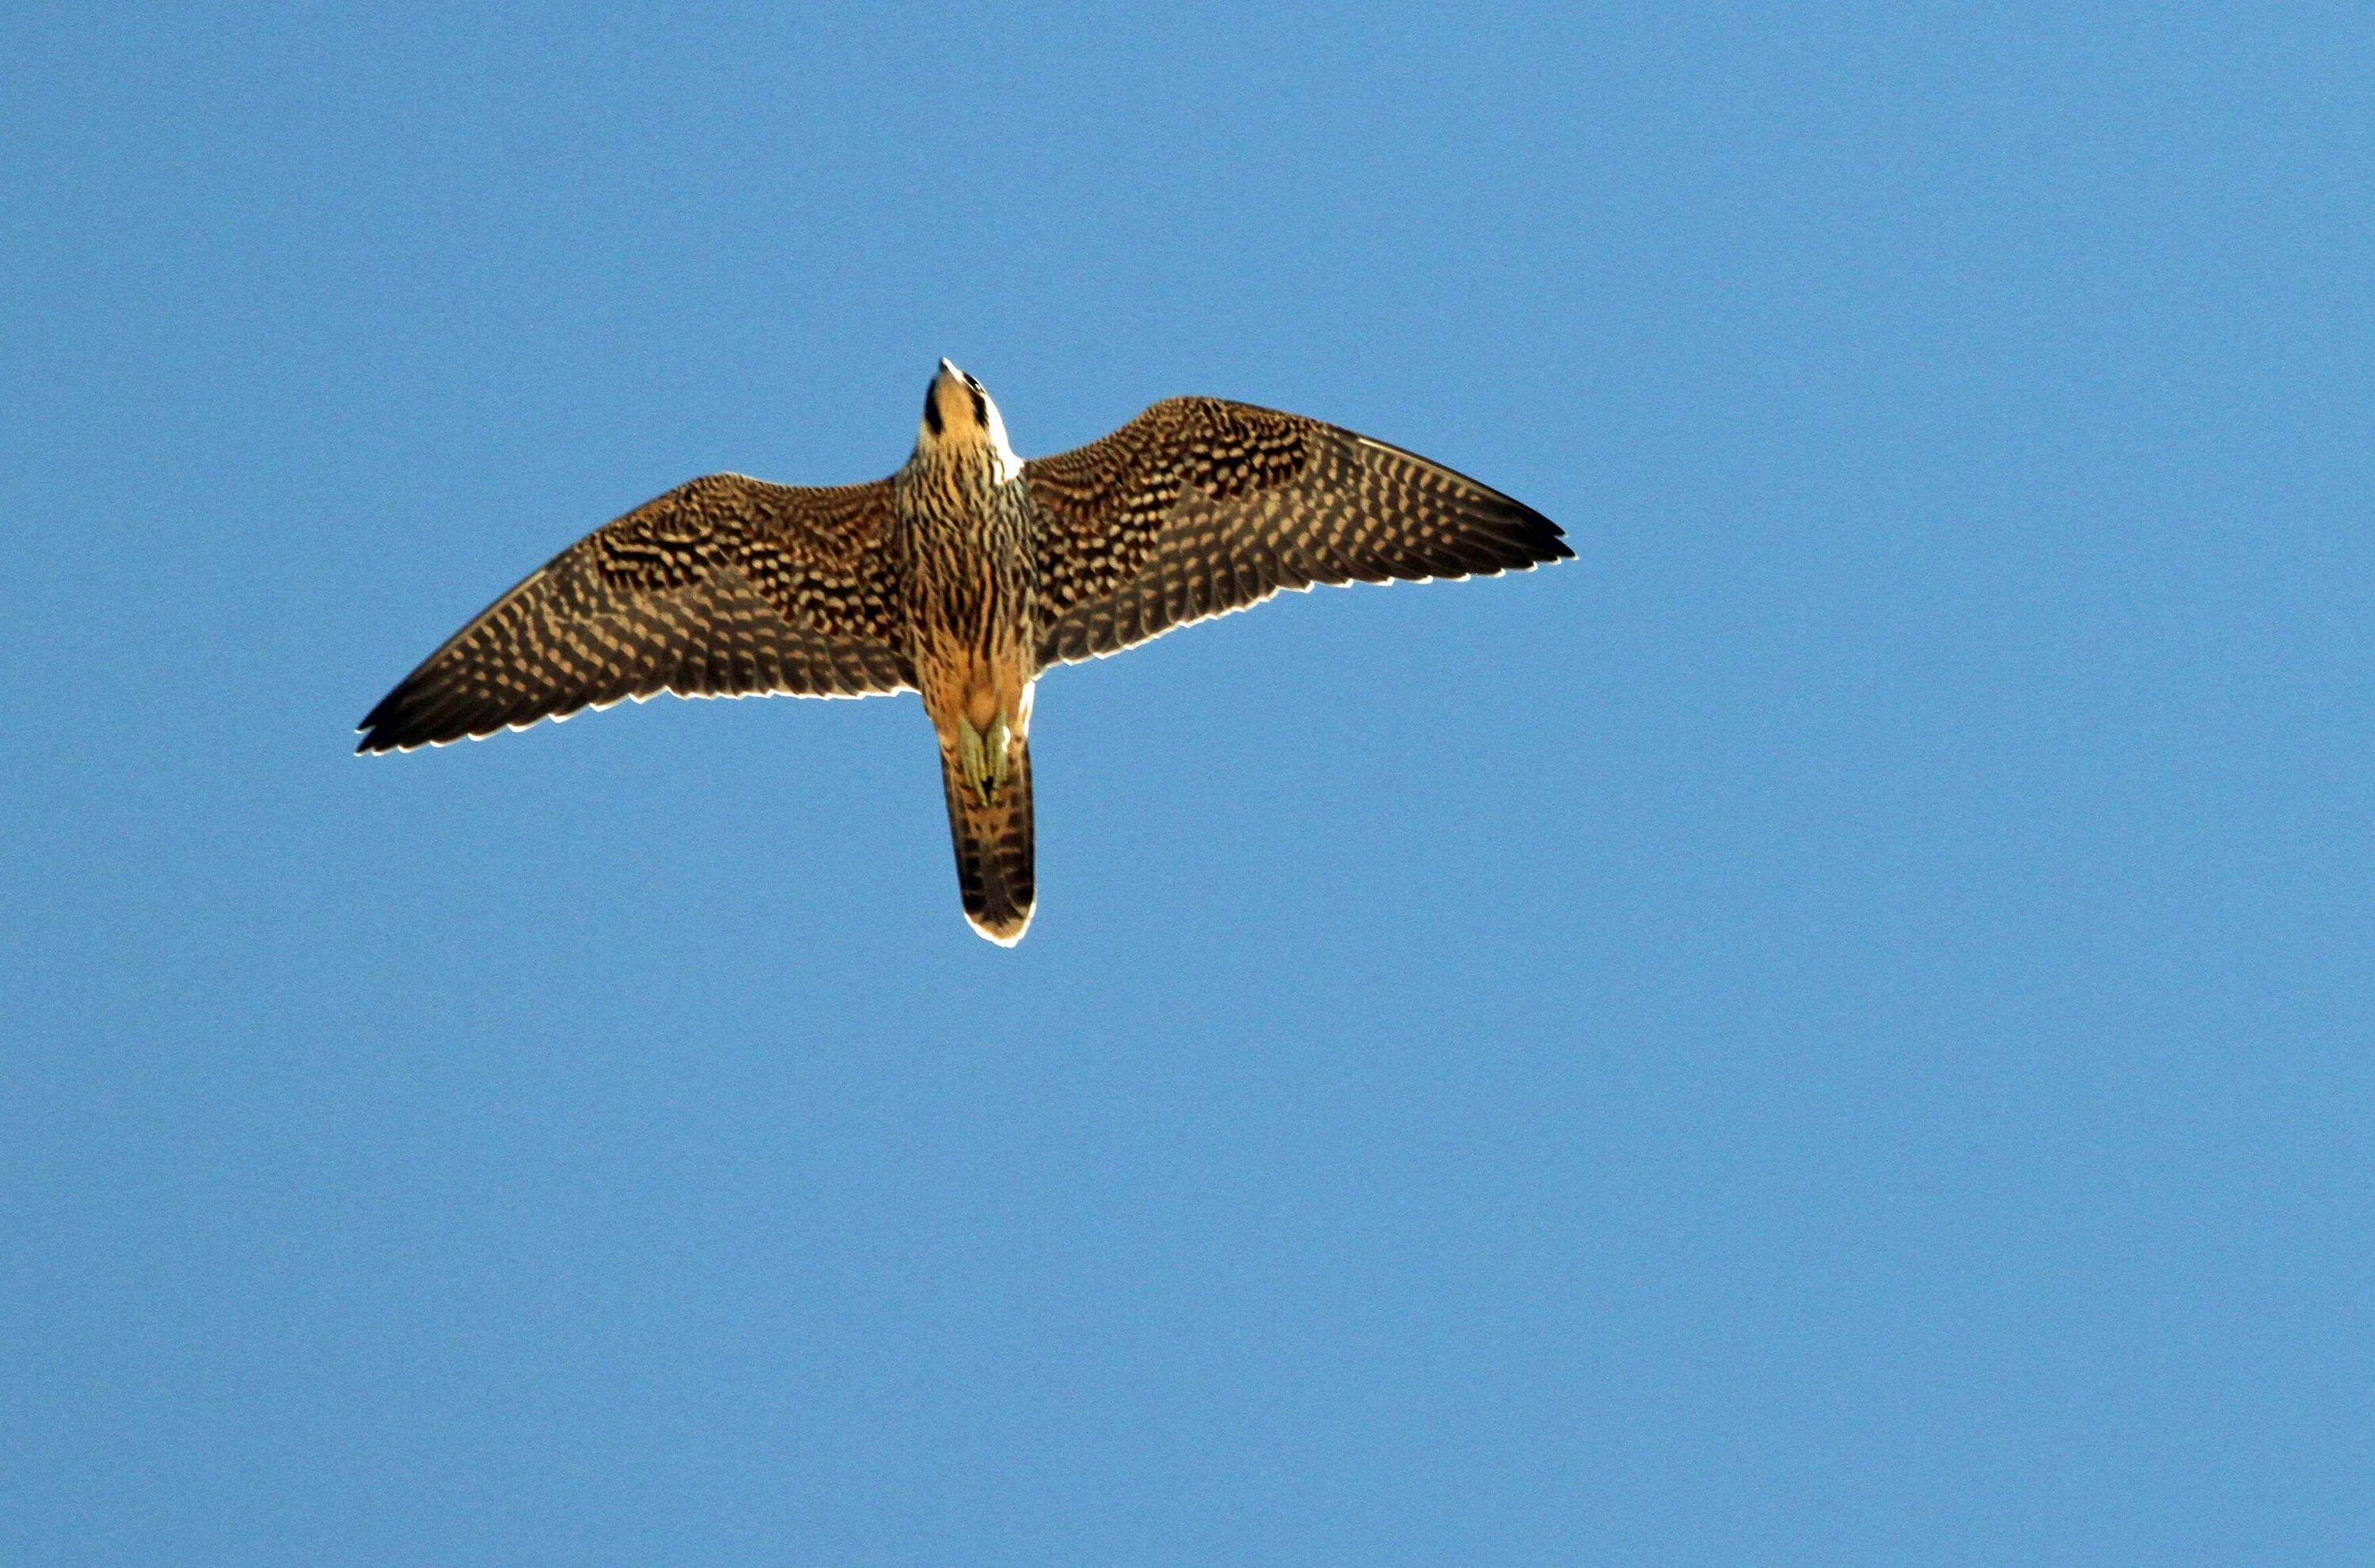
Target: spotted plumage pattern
{"x": 1200, "y": 507}
{"x": 726, "y": 586}
{"x": 961, "y": 577}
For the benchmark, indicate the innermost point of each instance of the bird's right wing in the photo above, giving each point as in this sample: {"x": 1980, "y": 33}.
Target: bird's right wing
{"x": 1198, "y": 507}
{"x": 722, "y": 587}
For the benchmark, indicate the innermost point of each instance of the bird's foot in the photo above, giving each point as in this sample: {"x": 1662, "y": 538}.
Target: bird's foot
{"x": 982, "y": 755}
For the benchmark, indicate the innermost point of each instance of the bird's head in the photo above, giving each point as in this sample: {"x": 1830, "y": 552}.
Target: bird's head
{"x": 959, "y": 418}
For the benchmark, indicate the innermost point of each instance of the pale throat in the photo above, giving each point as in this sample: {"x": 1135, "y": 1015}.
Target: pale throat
{"x": 1004, "y": 466}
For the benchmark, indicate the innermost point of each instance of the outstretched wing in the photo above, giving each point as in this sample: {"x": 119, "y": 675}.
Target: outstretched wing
{"x": 722, "y": 588}
{"x": 1198, "y": 507}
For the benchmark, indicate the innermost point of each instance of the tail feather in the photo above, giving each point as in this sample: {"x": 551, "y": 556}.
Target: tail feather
{"x": 994, "y": 845}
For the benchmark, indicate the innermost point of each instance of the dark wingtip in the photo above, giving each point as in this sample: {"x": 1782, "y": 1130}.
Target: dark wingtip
{"x": 383, "y": 729}
{"x": 371, "y": 741}
{"x": 1543, "y": 540}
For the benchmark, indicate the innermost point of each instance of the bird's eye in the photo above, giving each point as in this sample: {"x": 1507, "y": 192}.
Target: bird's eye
{"x": 932, "y": 413}
{"x": 980, "y": 403}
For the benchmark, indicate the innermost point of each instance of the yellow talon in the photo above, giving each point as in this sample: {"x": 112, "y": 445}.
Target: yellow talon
{"x": 996, "y": 742}
{"x": 983, "y": 757}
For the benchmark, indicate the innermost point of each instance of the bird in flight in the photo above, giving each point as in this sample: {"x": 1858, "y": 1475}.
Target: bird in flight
{"x": 961, "y": 577}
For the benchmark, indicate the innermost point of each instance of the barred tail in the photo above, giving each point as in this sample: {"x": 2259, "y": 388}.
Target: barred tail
{"x": 993, "y": 842}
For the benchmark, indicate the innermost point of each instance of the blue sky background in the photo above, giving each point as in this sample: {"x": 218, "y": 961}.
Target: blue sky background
{"x": 1832, "y": 1029}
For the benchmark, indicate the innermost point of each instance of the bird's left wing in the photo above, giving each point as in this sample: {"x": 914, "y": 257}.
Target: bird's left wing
{"x": 1198, "y": 507}
{"x": 722, "y": 587}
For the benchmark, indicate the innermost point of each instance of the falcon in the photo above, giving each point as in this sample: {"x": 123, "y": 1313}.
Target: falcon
{"x": 961, "y": 577}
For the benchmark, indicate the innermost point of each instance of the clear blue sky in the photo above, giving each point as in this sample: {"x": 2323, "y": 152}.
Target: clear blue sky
{"x": 1832, "y": 1029}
